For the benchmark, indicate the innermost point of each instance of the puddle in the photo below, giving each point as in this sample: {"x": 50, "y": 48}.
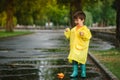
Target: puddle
{"x": 41, "y": 62}
{"x": 98, "y": 44}
{"x": 45, "y": 69}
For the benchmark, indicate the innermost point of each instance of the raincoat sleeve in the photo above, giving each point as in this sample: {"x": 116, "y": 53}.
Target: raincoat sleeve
{"x": 87, "y": 35}
{"x": 67, "y": 33}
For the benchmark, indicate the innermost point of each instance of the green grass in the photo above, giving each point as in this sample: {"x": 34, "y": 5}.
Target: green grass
{"x": 110, "y": 58}
{"x": 4, "y": 34}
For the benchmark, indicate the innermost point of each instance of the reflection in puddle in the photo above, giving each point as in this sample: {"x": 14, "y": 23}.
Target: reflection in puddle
{"x": 41, "y": 70}
{"x": 16, "y": 72}
{"x": 98, "y": 44}
{"x": 41, "y": 63}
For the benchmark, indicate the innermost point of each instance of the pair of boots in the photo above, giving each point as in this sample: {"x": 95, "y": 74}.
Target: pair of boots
{"x": 75, "y": 70}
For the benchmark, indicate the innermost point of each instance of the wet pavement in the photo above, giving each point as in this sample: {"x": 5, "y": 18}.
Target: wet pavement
{"x": 40, "y": 56}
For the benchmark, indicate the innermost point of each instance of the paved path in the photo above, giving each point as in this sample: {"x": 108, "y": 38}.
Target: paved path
{"x": 39, "y": 56}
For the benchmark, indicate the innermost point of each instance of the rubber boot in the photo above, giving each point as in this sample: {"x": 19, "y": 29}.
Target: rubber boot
{"x": 75, "y": 70}
{"x": 83, "y": 70}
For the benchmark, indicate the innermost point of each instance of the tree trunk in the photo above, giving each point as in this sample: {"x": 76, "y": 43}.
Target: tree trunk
{"x": 117, "y": 4}
{"x": 9, "y": 11}
{"x": 118, "y": 29}
{"x": 75, "y": 5}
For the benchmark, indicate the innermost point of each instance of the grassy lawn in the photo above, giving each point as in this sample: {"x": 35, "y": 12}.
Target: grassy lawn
{"x": 111, "y": 59}
{"x": 4, "y": 34}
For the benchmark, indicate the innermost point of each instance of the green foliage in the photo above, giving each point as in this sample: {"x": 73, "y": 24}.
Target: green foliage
{"x": 55, "y": 13}
{"x": 14, "y": 21}
{"x": 89, "y": 18}
{"x": 39, "y": 12}
{"x": 111, "y": 16}
{"x": 2, "y": 3}
{"x": 108, "y": 14}
{"x": 95, "y": 9}
{"x": 25, "y": 13}
{"x": 4, "y": 34}
{"x": 3, "y": 18}
{"x": 26, "y": 20}
{"x": 63, "y": 2}
{"x": 101, "y": 11}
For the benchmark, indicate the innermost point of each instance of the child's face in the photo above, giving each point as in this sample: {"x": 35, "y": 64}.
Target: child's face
{"x": 78, "y": 21}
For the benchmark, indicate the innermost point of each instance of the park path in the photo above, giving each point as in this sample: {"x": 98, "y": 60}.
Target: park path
{"x": 39, "y": 56}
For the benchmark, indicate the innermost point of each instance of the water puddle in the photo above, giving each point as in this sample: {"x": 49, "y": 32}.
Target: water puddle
{"x": 43, "y": 62}
{"x": 99, "y": 44}
{"x": 45, "y": 68}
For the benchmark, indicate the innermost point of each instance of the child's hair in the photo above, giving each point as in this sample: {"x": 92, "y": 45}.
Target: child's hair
{"x": 79, "y": 14}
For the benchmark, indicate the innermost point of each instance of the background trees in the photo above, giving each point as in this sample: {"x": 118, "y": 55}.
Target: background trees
{"x": 29, "y": 12}
{"x": 38, "y": 12}
{"x": 7, "y": 6}
{"x": 58, "y": 11}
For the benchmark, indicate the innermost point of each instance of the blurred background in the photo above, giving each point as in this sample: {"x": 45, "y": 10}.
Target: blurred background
{"x": 54, "y": 13}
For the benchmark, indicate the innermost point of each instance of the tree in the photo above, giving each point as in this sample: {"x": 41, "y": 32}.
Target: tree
{"x": 40, "y": 11}
{"x": 117, "y": 7}
{"x": 22, "y": 9}
{"x": 93, "y": 7}
{"x": 102, "y": 14}
{"x": 56, "y": 13}
{"x": 24, "y": 14}
{"x": 74, "y": 5}
{"x": 107, "y": 12}
{"x": 7, "y": 6}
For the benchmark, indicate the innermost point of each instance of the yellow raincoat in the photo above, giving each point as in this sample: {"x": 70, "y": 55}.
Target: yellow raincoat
{"x": 78, "y": 44}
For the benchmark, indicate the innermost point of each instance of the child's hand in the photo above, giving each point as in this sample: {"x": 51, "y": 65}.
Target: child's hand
{"x": 81, "y": 33}
{"x": 67, "y": 29}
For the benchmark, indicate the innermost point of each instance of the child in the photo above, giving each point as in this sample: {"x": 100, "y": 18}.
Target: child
{"x": 79, "y": 42}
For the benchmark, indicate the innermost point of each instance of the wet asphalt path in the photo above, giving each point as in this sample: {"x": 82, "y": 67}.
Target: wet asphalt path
{"x": 39, "y": 56}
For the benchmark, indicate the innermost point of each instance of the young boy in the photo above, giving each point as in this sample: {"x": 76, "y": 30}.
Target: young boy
{"x": 79, "y": 42}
